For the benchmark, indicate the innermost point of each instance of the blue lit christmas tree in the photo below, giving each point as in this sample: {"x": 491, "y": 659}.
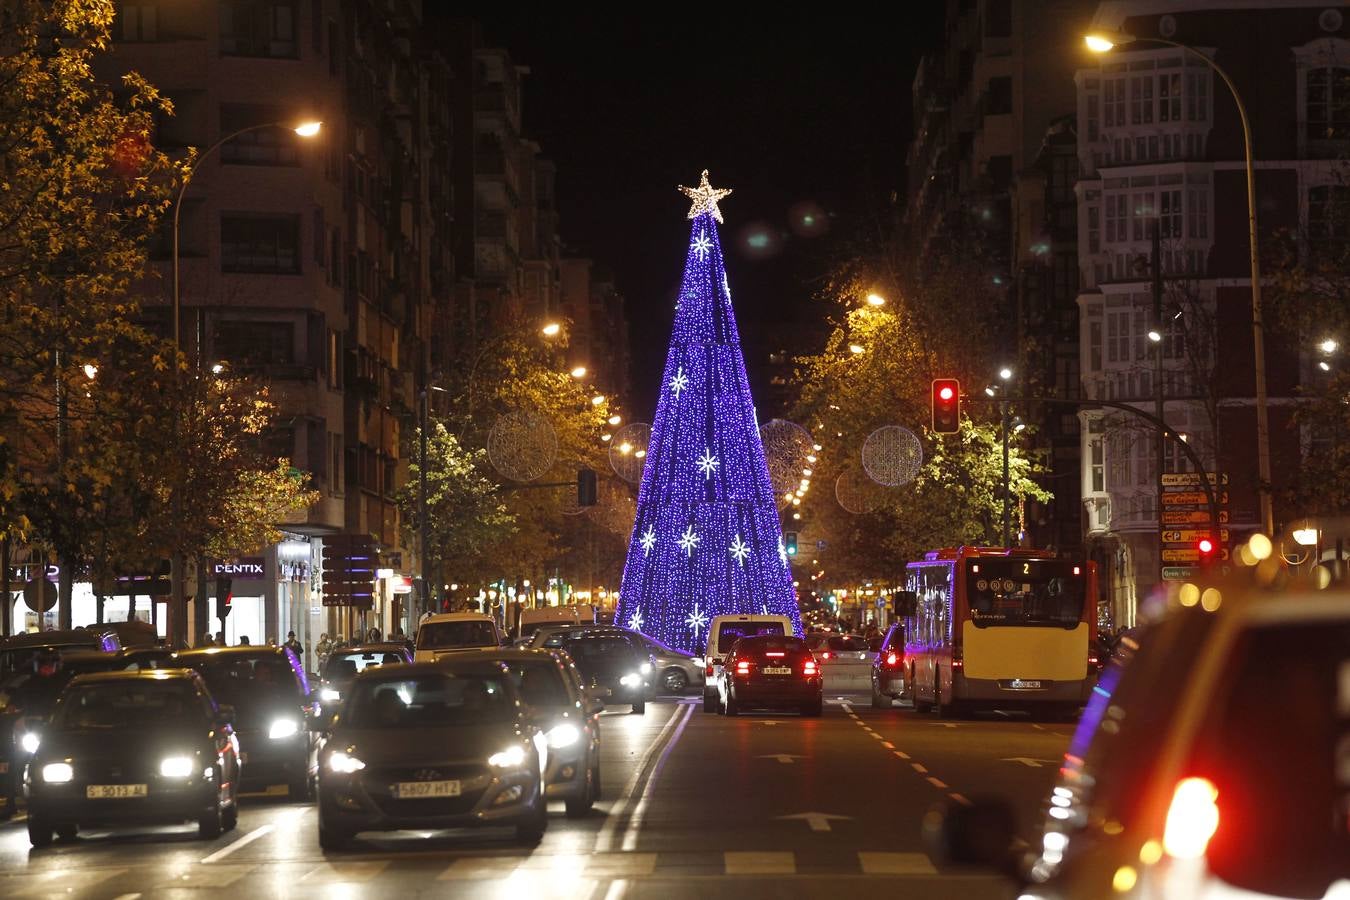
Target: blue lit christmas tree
{"x": 707, "y": 540}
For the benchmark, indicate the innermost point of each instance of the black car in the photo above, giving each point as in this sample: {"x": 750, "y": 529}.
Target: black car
{"x": 611, "y": 663}
{"x": 342, "y": 666}
{"x": 888, "y": 668}
{"x": 138, "y": 747}
{"x": 275, "y": 714}
{"x": 771, "y": 672}
{"x": 17, "y": 652}
{"x": 432, "y": 745}
{"x": 550, "y": 686}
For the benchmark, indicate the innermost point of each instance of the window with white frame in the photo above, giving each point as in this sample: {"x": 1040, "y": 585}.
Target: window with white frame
{"x": 1096, "y": 457}
{"x": 1118, "y": 336}
{"x": 1169, "y": 221}
{"x": 1141, "y": 100}
{"x": 1197, "y": 212}
{"x": 1142, "y": 211}
{"x": 1197, "y": 95}
{"x": 1113, "y": 101}
{"x": 1327, "y": 103}
{"x": 1169, "y": 97}
{"x": 1116, "y": 218}
{"x": 1094, "y": 230}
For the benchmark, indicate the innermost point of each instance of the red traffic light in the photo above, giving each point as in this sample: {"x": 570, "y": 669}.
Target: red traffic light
{"x": 945, "y": 392}
{"x": 946, "y": 402}
{"x": 1206, "y": 546}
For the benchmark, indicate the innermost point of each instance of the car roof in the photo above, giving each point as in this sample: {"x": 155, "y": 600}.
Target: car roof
{"x": 229, "y": 652}
{"x": 459, "y": 617}
{"x": 461, "y": 662}
{"x": 136, "y": 675}
{"x": 378, "y": 647}
{"x": 506, "y": 653}
{"x": 596, "y": 631}
{"x": 66, "y": 638}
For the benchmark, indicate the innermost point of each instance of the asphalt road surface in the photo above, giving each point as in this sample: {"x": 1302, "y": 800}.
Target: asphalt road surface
{"x": 692, "y": 803}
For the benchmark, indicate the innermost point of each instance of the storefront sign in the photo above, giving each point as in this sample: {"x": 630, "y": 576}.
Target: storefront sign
{"x": 244, "y": 567}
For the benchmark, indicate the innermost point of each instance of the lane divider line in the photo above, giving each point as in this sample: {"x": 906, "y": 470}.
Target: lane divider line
{"x": 902, "y": 754}
{"x": 888, "y": 745}
{"x": 262, "y": 831}
{"x": 617, "y": 889}
{"x": 959, "y": 798}
{"x": 919, "y": 768}
{"x": 630, "y": 833}
{"x": 937, "y": 783}
{"x": 605, "y": 838}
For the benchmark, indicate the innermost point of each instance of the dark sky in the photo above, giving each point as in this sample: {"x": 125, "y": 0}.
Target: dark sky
{"x": 786, "y": 109}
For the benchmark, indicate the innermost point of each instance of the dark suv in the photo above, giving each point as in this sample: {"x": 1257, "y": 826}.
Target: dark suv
{"x": 274, "y": 712}
{"x": 611, "y": 664}
{"x": 771, "y": 672}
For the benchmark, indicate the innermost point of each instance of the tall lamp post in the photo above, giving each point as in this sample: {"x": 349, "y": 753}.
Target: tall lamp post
{"x": 424, "y": 595}
{"x": 1005, "y": 375}
{"x": 177, "y": 564}
{"x": 1101, "y": 42}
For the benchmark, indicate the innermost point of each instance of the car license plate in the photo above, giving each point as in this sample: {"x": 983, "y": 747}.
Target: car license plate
{"x": 115, "y": 791}
{"x": 777, "y": 670}
{"x": 411, "y": 790}
{"x": 1021, "y": 683}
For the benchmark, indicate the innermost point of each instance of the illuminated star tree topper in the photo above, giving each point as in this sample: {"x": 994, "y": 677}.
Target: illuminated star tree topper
{"x": 707, "y": 539}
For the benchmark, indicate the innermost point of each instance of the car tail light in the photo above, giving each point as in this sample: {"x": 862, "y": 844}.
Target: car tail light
{"x": 775, "y": 655}
{"x": 957, "y": 661}
{"x": 824, "y": 654}
{"x": 1093, "y": 661}
{"x": 1192, "y": 818}
{"x": 742, "y": 667}
{"x": 892, "y": 658}
{"x": 809, "y": 667}
{"x": 708, "y": 672}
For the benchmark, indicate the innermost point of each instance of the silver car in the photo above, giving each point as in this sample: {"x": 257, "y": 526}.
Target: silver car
{"x": 675, "y": 671}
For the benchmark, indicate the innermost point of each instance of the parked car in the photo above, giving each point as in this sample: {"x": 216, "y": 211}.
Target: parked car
{"x": 275, "y": 712}
{"x": 612, "y": 663}
{"x": 433, "y": 745}
{"x": 342, "y": 666}
{"x": 134, "y": 747}
{"x": 17, "y": 652}
{"x": 550, "y": 685}
{"x": 888, "y": 668}
{"x": 771, "y": 672}
{"x": 723, "y": 631}
{"x": 445, "y": 633}
{"x": 532, "y": 619}
{"x": 1209, "y": 762}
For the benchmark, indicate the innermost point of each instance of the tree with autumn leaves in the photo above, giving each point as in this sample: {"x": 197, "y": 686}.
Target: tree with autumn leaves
{"x": 102, "y": 422}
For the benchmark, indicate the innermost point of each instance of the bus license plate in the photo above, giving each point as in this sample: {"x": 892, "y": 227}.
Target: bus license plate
{"x": 777, "y": 670}
{"x": 411, "y": 790}
{"x": 1017, "y": 683}
{"x": 115, "y": 791}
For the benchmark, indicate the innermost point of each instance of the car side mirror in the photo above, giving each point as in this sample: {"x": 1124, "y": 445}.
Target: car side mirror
{"x": 980, "y": 835}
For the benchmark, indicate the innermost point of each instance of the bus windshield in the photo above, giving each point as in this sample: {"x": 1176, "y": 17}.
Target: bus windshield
{"x": 1025, "y": 592}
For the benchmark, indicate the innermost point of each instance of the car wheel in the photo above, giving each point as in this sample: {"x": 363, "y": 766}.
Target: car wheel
{"x": 301, "y": 788}
{"x": 231, "y": 816}
{"x": 67, "y": 832}
{"x": 732, "y": 707}
{"x": 209, "y": 825}
{"x": 331, "y": 838}
{"x": 639, "y": 707}
{"x": 674, "y": 680}
{"x": 578, "y": 807}
{"x": 530, "y": 830}
{"x": 709, "y": 700}
{"x": 879, "y": 700}
{"x": 39, "y": 831}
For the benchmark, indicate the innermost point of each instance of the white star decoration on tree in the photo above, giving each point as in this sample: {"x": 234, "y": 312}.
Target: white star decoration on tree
{"x": 696, "y": 619}
{"x": 740, "y": 550}
{"x": 635, "y": 622}
{"x": 648, "y": 541}
{"x": 705, "y": 198}
{"x": 782, "y": 552}
{"x": 688, "y": 541}
{"x": 702, "y": 246}
{"x": 707, "y": 464}
{"x": 679, "y": 382}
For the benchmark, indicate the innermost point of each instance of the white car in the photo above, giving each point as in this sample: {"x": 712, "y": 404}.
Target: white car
{"x": 723, "y": 631}
{"x": 448, "y": 632}
{"x": 1211, "y": 763}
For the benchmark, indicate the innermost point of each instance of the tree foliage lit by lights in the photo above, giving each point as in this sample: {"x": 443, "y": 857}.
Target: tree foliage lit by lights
{"x": 707, "y": 539}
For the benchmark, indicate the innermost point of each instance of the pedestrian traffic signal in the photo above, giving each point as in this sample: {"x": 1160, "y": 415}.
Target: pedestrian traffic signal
{"x": 224, "y": 598}
{"x": 946, "y": 406}
{"x": 790, "y": 543}
{"x": 586, "y": 487}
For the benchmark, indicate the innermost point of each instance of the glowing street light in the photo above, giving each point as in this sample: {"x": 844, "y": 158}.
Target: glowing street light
{"x": 614, "y": 420}
{"x": 855, "y": 349}
{"x": 579, "y": 372}
{"x": 1005, "y": 373}
{"x": 551, "y": 329}
{"x": 90, "y": 371}
{"x": 597, "y": 399}
{"x": 1100, "y": 43}
{"x": 875, "y": 299}
{"x": 308, "y": 129}
{"x": 1328, "y": 346}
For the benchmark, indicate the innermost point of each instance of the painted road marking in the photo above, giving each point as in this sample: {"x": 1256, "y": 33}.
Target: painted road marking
{"x": 920, "y": 769}
{"x": 759, "y": 863}
{"x": 888, "y": 745}
{"x": 1030, "y": 761}
{"x": 896, "y": 864}
{"x": 605, "y": 838}
{"x": 902, "y": 754}
{"x": 242, "y": 842}
{"x": 788, "y": 758}
{"x": 937, "y": 783}
{"x": 817, "y": 820}
{"x": 210, "y": 877}
{"x": 630, "y": 833}
{"x": 959, "y": 798}
{"x": 480, "y": 867}
{"x": 344, "y": 872}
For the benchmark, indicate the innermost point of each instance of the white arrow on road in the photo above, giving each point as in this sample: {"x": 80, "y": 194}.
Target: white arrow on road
{"x": 1029, "y": 761}
{"x": 781, "y": 757}
{"x": 942, "y": 724}
{"x": 767, "y": 722}
{"x": 817, "y": 820}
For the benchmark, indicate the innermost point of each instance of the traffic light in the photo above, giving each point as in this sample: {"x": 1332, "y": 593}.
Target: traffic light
{"x": 1207, "y": 550}
{"x": 586, "y": 485}
{"x": 224, "y": 598}
{"x": 946, "y": 406}
{"x": 790, "y": 543}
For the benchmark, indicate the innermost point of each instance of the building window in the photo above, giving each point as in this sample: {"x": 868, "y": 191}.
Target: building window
{"x": 1113, "y": 101}
{"x": 1096, "y": 461}
{"x": 259, "y": 243}
{"x": 1170, "y": 219}
{"x": 253, "y": 343}
{"x": 1118, "y": 336}
{"x": 1197, "y": 96}
{"x": 138, "y": 22}
{"x": 258, "y": 28}
{"x": 998, "y": 99}
{"x": 1328, "y": 215}
{"x": 1094, "y": 232}
{"x": 1141, "y": 100}
{"x": 1197, "y": 212}
{"x": 1093, "y": 114}
{"x": 260, "y": 146}
{"x": 1115, "y": 218}
{"x": 1328, "y": 103}
{"x": 1094, "y": 346}
{"x": 1169, "y": 97}
{"x": 1143, "y": 213}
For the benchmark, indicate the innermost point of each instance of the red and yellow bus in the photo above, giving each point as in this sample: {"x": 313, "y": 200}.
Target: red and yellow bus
{"x": 1000, "y": 628}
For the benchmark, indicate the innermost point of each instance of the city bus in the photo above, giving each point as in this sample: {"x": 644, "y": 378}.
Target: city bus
{"x": 1000, "y": 628}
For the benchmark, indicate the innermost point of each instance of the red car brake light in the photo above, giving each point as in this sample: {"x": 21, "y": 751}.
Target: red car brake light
{"x": 809, "y": 667}
{"x": 774, "y": 654}
{"x": 892, "y": 658}
{"x": 824, "y": 654}
{"x": 742, "y": 667}
{"x": 1192, "y": 818}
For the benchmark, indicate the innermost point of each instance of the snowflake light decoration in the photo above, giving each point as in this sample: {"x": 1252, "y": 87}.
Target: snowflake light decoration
{"x": 782, "y": 552}
{"x": 707, "y": 464}
{"x": 648, "y": 541}
{"x": 740, "y": 550}
{"x": 701, "y": 246}
{"x": 688, "y": 541}
{"x": 696, "y": 619}
{"x": 679, "y": 382}
{"x": 635, "y": 621}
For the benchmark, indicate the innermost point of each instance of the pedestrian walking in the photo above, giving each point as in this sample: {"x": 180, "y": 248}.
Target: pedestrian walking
{"x": 243, "y": 640}
{"x": 295, "y": 646}
{"x": 323, "y": 649}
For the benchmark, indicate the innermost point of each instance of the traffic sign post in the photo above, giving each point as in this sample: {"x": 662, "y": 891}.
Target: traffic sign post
{"x": 349, "y": 563}
{"x": 1186, "y": 501}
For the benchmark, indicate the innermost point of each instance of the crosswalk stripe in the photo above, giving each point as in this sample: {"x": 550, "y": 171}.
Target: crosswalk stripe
{"x": 759, "y": 863}
{"x": 896, "y": 864}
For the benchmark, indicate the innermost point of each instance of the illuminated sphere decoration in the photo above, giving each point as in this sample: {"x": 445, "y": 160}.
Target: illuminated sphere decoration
{"x": 857, "y": 493}
{"x": 522, "y": 444}
{"x": 628, "y": 451}
{"x": 786, "y": 448}
{"x": 706, "y": 539}
{"x": 892, "y": 455}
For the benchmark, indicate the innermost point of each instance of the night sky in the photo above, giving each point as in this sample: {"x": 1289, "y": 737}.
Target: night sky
{"x": 799, "y": 114}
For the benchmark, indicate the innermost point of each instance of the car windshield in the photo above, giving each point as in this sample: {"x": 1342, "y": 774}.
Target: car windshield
{"x": 596, "y": 653}
{"x": 539, "y": 682}
{"x": 127, "y": 705}
{"x": 1025, "y": 592}
{"x": 730, "y": 632}
{"x": 463, "y": 633}
{"x": 1283, "y": 797}
{"x": 758, "y": 646}
{"x": 248, "y": 683}
{"x": 429, "y": 701}
{"x": 346, "y": 666}
{"x": 849, "y": 643}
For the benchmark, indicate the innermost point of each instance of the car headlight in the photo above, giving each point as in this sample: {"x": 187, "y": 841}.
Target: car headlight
{"x": 645, "y": 668}
{"x": 57, "y": 773}
{"x": 508, "y": 758}
{"x": 175, "y": 766}
{"x": 29, "y": 742}
{"x": 632, "y": 679}
{"x": 330, "y": 695}
{"x": 344, "y": 763}
{"x": 564, "y": 735}
{"x": 282, "y": 728}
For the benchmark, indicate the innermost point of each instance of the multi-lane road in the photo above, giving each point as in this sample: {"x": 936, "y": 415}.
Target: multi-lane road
{"x": 692, "y": 804}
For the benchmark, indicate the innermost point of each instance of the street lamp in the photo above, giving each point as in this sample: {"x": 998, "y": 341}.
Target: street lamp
{"x": 1101, "y": 42}
{"x": 855, "y": 349}
{"x": 579, "y": 372}
{"x": 425, "y": 592}
{"x": 304, "y": 130}
{"x": 551, "y": 329}
{"x": 1005, "y": 375}
{"x": 875, "y": 299}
